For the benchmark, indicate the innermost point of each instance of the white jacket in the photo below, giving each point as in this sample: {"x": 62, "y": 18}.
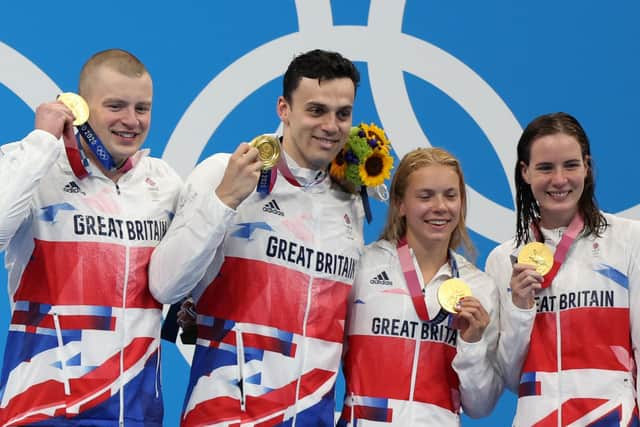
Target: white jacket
{"x": 401, "y": 371}
{"x": 83, "y": 343}
{"x": 571, "y": 358}
{"x": 271, "y": 282}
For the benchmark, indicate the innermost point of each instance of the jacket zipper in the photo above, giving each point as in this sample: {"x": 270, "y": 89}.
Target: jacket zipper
{"x": 353, "y": 411}
{"x": 123, "y": 315}
{"x": 414, "y": 375}
{"x": 241, "y": 376}
{"x": 559, "y": 366}
{"x": 303, "y": 350}
{"x": 67, "y": 387}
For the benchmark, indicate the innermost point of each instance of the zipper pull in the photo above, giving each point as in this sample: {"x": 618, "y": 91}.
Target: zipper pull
{"x": 117, "y": 188}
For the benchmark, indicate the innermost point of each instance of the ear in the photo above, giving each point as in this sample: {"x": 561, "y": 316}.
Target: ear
{"x": 524, "y": 172}
{"x": 283, "y": 109}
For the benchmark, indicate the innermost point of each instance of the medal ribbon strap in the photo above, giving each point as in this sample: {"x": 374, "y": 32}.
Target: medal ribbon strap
{"x": 268, "y": 178}
{"x": 74, "y": 156}
{"x": 283, "y": 167}
{"x": 284, "y": 170}
{"x": 413, "y": 283}
{"x": 100, "y": 151}
{"x": 365, "y": 203}
{"x": 97, "y": 147}
{"x": 559, "y": 256}
{"x": 266, "y": 181}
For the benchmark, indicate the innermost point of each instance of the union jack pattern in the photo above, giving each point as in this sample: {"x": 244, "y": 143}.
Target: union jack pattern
{"x": 83, "y": 342}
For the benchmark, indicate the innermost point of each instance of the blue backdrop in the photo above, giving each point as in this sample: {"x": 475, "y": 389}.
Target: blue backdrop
{"x": 465, "y": 76}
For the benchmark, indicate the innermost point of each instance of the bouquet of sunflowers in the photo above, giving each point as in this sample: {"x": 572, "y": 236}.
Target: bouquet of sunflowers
{"x": 365, "y": 160}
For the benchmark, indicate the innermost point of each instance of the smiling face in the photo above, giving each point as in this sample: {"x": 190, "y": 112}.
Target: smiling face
{"x": 432, "y": 206}
{"x": 317, "y": 120}
{"x": 120, "y": 110}
{"x": 556, "y": 173}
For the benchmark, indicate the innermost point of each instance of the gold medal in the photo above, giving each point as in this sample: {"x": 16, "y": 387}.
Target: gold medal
{"x": 78, "y": 106}
{"x": 537, "y": 254}
{"x": 268, "y": 150}
{"x": 450, "y": 292}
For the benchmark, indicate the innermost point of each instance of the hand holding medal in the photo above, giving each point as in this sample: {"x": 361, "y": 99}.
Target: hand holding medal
{"x": 268, "y": 150}
{"x": 451, "y": 292}
{"x": 537, "y": 254}
{"x": 524, "y": 284}
{"x": 80, "y": 110}
{"x": 269, "y": 153}
{"x": 78, "y": 106}
{"x": 471, "y": 319}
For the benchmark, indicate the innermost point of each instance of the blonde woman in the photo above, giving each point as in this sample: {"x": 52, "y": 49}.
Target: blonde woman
{"x": 407, "y": 362}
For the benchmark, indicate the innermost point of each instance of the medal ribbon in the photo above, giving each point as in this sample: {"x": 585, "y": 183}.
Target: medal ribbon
{"x": 559, "y": 256}
{"x": 78, "y": 160}
{"x": 365, "y": 203}
{"x": 413, "y": 283}
{"x": 268, "y": 178}
{"x": 74, "y": 154}
{"x": 97, "y": 147}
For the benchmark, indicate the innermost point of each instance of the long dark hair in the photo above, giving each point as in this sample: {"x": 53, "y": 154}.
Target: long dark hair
{"x": 527, "y": 208}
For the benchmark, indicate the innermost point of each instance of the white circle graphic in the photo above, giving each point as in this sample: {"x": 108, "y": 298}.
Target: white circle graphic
{"x": 388, "y": 52}
{"x": 25, "y": 79}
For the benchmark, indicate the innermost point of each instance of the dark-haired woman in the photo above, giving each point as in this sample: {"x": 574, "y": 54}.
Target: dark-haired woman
{"x": 570, "y": 323}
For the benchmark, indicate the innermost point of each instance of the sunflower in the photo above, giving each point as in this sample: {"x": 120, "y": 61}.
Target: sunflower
{"x": 376, "y": 168}
{"x": 338, "y": 166}
{"x": 365, "y": 158}
{"x": 375, "y": 136}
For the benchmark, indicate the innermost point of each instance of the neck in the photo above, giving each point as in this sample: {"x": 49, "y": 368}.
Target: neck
{"x": 293, "y": 155}
{"x": 556, "y": 220}
{"x": 112, "y": 175}
{"x": 430, "y": 256}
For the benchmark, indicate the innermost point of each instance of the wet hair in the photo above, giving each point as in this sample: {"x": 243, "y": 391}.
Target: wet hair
{"x": 317, "y": 64}
{"x": 396, "y": 226}
{"x": 527, "y": 208}
{"x": 116, "y": 59}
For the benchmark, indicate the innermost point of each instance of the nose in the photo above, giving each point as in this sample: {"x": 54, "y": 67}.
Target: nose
{"x": 558, "y": 177}
{"x": 330, "y": 123}
{"x": 439, "y": 203}
{"x": 130, "y": 117}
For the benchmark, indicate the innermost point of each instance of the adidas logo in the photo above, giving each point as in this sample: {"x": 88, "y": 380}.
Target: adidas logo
{"x": 72, "y": 187}
{"x": 272, "y": 207}
{"x": 381, "y": 279}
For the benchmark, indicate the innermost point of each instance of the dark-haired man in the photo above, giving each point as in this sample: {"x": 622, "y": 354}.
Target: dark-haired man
{"x": 270, "y": 270}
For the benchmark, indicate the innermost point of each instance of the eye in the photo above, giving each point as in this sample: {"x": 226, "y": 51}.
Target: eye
{"x": 452, "y": 195}
{"x": 142, "y": 109}
{"x": 544, "y": 167}
{"x": 316, "y": 110}
{"x": 573, "y": 165}
{"x": 344, "y": 114}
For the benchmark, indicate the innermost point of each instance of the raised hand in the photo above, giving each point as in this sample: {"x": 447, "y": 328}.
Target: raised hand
{"x": 525, "y": 283}
{"x": 471, "y": 319}
{"x": 241, "y": 176}
{"x": 55, "y": 118}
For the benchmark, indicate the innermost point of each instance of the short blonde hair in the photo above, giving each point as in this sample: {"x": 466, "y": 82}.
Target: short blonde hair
{"x": 396, "y": 226}
{"x": 116, "y": 59}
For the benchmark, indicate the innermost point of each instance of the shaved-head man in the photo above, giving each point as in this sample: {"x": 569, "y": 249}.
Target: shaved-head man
{"x": 79, "y": 218}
